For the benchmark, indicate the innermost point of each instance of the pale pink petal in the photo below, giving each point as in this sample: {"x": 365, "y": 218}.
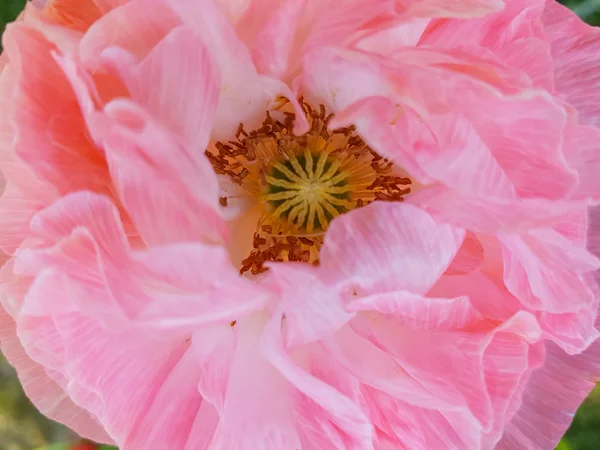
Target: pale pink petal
{"x": 258, "y": 411}
{"x": 48, "y": 396}
{"x": 16, "y": 210}
{"x": 491, "y": 31}
{"x": 468, "y": 258}
{"x": 449, "y": 8}
{"x": 92, "y": 253}
{"x": 546, "y": 271}
{"x": 491, "y": 216}
{"x": 116, "y": 28}
{"x": 529, "y": 136}
{"x": 163, "y": 397}
{"x": 487, "y": 295}
{"x": 574, "y": 46}
{"x": 374, "y": 366}
{"x": 13, "y": 288}
{"x": 462, "y": 161}
{"x": 411, "y": 427}
{"x": 50, "y": 135}
{"x": 391, "y": 39}
{"x": 170, "y": 191}
{"x": 421, "y": 312}
{"x": 573, "y": 331}
{"x": 532, "y": 56}
{"x": 334, "y": 23}
{"x": 402, "y": 134}
{"x": 386, "y": 247}
{"x": 339, "y": 78}
{"x": 472, "y": 92}
{"x": 551, "y": 398}
{"x": 473, "y": 368}
{"x": 237, "y": 103}
{"x": 151, "y": 369}
{"x": 581, "y": 151}
{"x": 177, "y": 84}
{"x": 273, "y": 44}
{"x": 318, "y": 431}
{"x": 347, "y": 417}
{"x": 204, "y": 426}
{"x": 312, "y": 309}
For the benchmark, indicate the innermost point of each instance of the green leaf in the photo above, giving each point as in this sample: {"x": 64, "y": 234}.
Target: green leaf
{"x": 563, "y": 445}
{"x": 61, "y": 446}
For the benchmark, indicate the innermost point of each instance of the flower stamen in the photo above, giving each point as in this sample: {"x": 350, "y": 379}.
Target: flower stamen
{"x": 302, "y": 182}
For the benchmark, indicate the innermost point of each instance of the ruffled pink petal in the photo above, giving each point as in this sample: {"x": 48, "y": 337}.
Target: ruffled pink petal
{"x": 574, "y": 46}
{"x": 237, "y": 103}
{"x": 396, "y": 141}
{"x": 472, "y": 380}
{"x": 312, "y": 309}
{"x": 91, "y": 252}
{"x": 532, "y": 56}
{"x": 170, "y": 192}
{"x": 258, "y": 410}
{"x": 421, "y": 312}
{"x": 468, "y": 258}
{"x": 491, "y": 216}
{"x": 273, "y": 44}
{"x": 388, "y": 247}
{"x": 392, "y": 38}
{"x": 50, "y": 134}
{"x": 551, "y": 398}
{"x": 418, "y": 427}
{"x": 99, "y": 293}
{"x": 374, "y": 366}
{"x": 546, "y": 271}
{"x": 75, "y": 15}
{"x": 345, "y": 424}
{"x": 462, "y": 161}
{"x": 581, "y": 151}
{"x": 457, "y": 121}
{"x": 16, "y": 210}
{"x": 573, "y": 331}
{"x": 449, "y": 8}
{"x": 487, "y": 295}
{"x": 139, "y": 154}
{"x": 48, "y": 396}
{"x": 176, "y": 83}
{"x": 107, "y": 5}
{"x": 117, "y": 29}
{"x": 515, "y": 21}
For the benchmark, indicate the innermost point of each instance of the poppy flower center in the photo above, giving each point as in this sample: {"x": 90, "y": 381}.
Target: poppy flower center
{"x": 308, "y": 190}
{"x": 302, "y": 182}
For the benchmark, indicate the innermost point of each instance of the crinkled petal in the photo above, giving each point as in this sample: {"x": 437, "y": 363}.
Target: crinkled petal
{"x": 546, "y": 271}
{"x": 237, "y": 103}
{"x": 50, "y": 134}
{"x": 48, "y": 396}
{"x": 387, "y": 247}
{"x": 116, "y": 28}
{"x": 258, "y": 411}
{"x": 340, "y": 410}
{"x": 312, "y": 309}
{"x": 176, "y": 82}
{"x": 574, "y": 46}
{"x": 417, "y": 311}
{"x": 551, "y": 398}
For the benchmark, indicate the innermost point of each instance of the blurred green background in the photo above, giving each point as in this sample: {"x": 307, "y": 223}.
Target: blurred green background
{"x": 23, "y": 428}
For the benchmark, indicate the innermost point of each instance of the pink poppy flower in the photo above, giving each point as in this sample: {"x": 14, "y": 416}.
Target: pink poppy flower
{"x": 301, "y": 224}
